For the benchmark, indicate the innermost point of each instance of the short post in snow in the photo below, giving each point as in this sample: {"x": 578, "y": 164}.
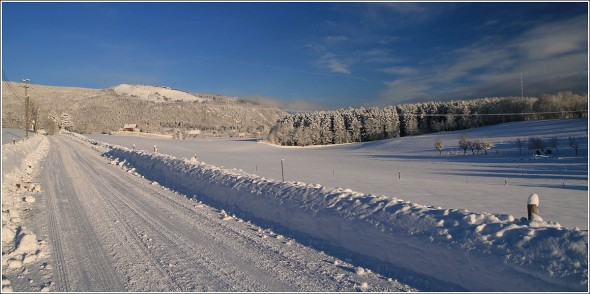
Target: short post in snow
{"x": 133, "y": 147}
{"x": 533, "y": 205}
{"x": 505, "y": 182}
{"x": 155, "y": 149}
{"x": 13, "y": 141}
{"x": 399, "y": 174}
{"x": 282, "y": 170}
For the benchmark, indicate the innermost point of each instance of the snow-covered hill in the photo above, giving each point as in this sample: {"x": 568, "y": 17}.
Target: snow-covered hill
{"x": 106, "y": 110}
{"x": 157, "y": 94}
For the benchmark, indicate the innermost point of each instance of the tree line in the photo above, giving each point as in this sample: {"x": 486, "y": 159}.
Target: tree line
{"x": 360, "y": 124}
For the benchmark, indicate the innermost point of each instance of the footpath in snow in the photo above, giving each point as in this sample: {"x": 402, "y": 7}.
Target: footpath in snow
{"x": 477, "y": 252}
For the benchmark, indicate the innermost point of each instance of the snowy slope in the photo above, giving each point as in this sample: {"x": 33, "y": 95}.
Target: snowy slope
{"x": 497, "y": 183}
{"x": 156, "y": 94}
{"x": 476, "y": 251}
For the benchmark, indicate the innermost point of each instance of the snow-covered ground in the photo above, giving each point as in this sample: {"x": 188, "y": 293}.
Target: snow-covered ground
{"x": 9, "y": 134}
{"x": 23, "y": 254}
{"x": 236, "y": 231}
{"x": 473, "y": 251}
{"x": 108, "y": 229}
{"x": 156, "y": 94}
{"x": 499, "y": 182}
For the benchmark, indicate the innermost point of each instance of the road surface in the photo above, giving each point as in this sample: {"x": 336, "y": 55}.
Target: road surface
{"x": 111, "y": 230}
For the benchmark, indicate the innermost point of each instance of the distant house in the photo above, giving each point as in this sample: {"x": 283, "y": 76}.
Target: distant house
{"x": 130, "y": 128}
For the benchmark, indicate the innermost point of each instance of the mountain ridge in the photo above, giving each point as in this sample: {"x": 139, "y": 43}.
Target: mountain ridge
{"x": 106, "y": 110}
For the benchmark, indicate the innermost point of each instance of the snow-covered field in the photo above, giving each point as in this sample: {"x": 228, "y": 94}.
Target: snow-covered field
{"x": 9, "y": 134}
{"x": 499, "y": 182}
{"x": 239, "y": 228}
{"x": 472, "y": 250}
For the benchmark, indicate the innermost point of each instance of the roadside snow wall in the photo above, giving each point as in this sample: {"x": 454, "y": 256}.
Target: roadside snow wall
{"x": 14, "y": 156}
{"x": 479, "y": 252}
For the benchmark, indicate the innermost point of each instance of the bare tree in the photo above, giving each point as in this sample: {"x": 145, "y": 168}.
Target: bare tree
{"x": 484, "y": 144}
{"x": 54, "y": 121}
{"x": 465, "y": 143}
{"x": 66, "y": 122}
{"x": 519, "y": 142}
{"x": 553, "y": 143}
{"x": 439, "y": 144}
{"x": 574, "y": 144}
{"x": 536, "y": 143}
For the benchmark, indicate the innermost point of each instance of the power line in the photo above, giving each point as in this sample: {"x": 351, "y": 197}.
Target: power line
{"x": 9, "y": 86}
{"x": 491, "y": 114}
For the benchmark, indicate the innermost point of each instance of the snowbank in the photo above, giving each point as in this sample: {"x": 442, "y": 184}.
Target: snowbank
{"x": 20, "y": 246}
{"x": 14, "y": 156}
{"x": 479, "y": 252}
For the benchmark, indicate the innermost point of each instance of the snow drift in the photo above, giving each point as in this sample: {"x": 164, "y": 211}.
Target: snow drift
{"x": 15, "y": 156}
{"x": 478, "y": 252}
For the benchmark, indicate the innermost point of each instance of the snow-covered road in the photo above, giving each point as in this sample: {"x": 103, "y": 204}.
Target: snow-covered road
{"x": 111, "y": 230}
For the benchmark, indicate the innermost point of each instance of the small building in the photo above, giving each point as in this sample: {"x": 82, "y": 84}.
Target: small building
{"x": 130, "y": 128}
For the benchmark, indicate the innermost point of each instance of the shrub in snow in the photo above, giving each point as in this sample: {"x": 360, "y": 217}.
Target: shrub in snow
{"x": 360, "y": 271}
{"x": 364, "y": 286}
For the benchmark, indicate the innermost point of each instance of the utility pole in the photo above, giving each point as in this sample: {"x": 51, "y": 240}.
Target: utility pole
{"x": 521, "y": 86}
{"x": 282, "y": 170}
{"x": 27, "y": 114}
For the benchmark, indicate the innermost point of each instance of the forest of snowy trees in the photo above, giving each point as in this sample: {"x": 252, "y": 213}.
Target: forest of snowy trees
{"x": 360, "y": 124}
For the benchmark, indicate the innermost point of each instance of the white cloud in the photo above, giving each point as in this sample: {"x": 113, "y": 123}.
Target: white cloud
{"x": 556, "y": 38}
{"x": 334, "y": 64}
{"x": 400, "y": 70}
{"x": 545, "y": 54}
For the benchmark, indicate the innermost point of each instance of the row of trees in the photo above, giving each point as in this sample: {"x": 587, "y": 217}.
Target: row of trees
{"x": 484, "y": 144}
{"x": 541, "y": 144}
{"x": 465, "y": 142}
{"x": 360, "y": 124}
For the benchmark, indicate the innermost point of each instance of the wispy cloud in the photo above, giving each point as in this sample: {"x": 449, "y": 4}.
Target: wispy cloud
{"x": 298, "y": 105}
{"x": 334, "y": 64}
{"x": 555, "y": 39}
{"x": 545, "y": 54}
{"x": 400, "y": 70}
{"x": 405, "y": 13}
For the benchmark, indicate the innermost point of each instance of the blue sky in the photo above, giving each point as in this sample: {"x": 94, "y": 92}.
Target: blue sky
{"x": 304, "y": 55}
